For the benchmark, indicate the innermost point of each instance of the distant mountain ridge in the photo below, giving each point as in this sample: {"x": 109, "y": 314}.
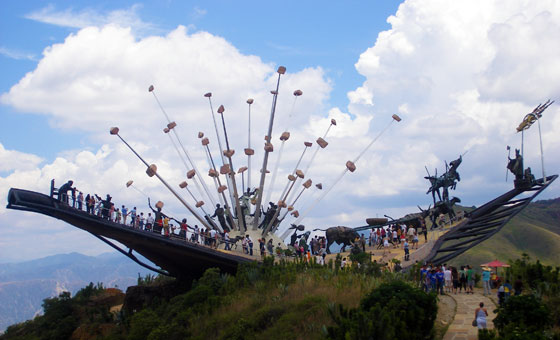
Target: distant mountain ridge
{"x": 24, "y": 285}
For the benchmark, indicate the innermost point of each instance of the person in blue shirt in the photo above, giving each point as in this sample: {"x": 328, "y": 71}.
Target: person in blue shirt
{"x": 132, "y": 214}
{"x": 406, "y": 251}
{"x": 440, "y": 278}
{"x": 433, "y": 281}
{"x": 486, "y": 280}
{"x": 423, "y": 274}
{"x": 507, "y": 289}
{"x": 124, "y": 212}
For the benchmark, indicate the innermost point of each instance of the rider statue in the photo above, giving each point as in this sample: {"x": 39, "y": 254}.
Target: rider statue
{"x": 515, "y": 165}
{"x": 523, "y": 178}
{"x": 448, "y": 180}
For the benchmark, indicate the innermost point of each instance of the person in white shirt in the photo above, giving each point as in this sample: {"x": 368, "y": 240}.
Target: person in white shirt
{"x": 448, "y": 280}
{"x": 212, "y": 241}
{"x": 226, "y": 240}
{"x": 149, "y": 221}
{"x": 196, "y": 233}
{"x": 385, "y": 245}
{"x": 410, "y": 233}
{"x": 250, "y": 244}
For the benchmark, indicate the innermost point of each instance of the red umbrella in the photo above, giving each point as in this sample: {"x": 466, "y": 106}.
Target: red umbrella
{"x": 495, "y": 264}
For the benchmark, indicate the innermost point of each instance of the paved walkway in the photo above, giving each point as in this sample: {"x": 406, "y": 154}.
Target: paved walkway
{"x": 461, "y": 328}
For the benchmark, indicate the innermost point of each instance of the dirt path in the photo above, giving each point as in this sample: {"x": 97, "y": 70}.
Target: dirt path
{"x": 461, "y": 328}
{"x": 446, "y": 312}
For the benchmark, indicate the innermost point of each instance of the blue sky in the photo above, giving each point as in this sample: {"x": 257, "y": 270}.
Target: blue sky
{"x": 461, "y": 74}
{"x": 297, "y": 34}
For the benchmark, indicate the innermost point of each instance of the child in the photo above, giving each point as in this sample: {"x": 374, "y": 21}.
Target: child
{"x": 166, "y": 226}
{"x": 118, "y": 218}
{"x": 406, "y": 251}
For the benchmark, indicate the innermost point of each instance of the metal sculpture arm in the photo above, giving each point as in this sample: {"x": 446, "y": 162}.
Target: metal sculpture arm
{"x": 130, "y": 256}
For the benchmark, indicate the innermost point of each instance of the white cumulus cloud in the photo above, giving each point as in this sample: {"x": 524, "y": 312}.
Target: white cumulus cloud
{"x": 461, "y": 74}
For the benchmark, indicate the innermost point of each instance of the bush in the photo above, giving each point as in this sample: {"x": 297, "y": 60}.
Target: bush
{"x": 142, "y": 324}
{"x": 361, "y": 258}
{"x": 395, "y": 310}
{"x": 524, "y": 312}
{"x": 59, "y": 320}
{"x": 88, "y": 291}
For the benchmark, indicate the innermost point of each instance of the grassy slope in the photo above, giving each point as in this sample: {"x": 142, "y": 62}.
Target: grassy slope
{"x": 535, "y": 231}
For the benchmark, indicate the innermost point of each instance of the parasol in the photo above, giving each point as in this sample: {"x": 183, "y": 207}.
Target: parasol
{"x": 495, "y": 264}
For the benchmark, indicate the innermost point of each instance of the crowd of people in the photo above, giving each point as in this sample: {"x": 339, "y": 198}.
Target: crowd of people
{"x": 158, "y": 222}
{"x": 396, "y": 236}
{"x": 447, "y": 279}
{"x": 393, "y": 236}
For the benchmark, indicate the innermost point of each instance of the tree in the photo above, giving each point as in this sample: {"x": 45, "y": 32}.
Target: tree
{"x": 394, "y": 310}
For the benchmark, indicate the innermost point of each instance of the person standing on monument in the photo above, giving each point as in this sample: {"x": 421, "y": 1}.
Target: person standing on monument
{"x": 124, "y": 212}
{"x": 212, "y": 239}
{"x": 149, "y": 222}
{"x": 226, "y": 240}
{"x": 91, "y": 204}
{"x": 249, "y": 244}
{"x": 80, "y": 200}
{"x": 133, "y": 216}
{"x": 117, "y": 215}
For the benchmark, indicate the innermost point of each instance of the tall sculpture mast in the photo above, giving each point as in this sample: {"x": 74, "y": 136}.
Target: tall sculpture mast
{"x": 267, "y": 149}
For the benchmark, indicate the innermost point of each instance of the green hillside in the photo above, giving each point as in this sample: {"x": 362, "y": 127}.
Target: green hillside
{"x": 535, "y": 231}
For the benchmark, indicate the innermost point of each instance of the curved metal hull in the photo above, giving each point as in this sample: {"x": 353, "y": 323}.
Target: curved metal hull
{"x": 485, "y": 221}
{"x": 178, "y": 258}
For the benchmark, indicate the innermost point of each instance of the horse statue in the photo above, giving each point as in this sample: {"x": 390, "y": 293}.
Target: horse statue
{"x": 442, "y": 208}
{"x": 448, "y": 180}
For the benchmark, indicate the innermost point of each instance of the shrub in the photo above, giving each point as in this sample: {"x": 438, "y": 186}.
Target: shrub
{"x": 394, "y": 310}
{"x": 361, "y": 257}
{"x": 523, "y": 313}
{"x": 142, "y": 324}
{"x": 59, "y": 320}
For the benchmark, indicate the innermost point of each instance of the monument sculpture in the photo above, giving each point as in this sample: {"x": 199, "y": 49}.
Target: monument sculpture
{"x": 244, "y": 217}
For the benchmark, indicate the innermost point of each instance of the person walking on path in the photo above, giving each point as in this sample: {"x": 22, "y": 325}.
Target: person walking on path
{"x": 440, "y": 280}
{"x": 448, "y": 280}
{"x": 455, "y": 277}
{"x": 470, "y": 279}
{"x": 467, "y": 304}
{"x": 486, "y": 280}
{"x": 463, "y": 279}
{"x": 406, "y": 250}
{"x": 480, "y": 315}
